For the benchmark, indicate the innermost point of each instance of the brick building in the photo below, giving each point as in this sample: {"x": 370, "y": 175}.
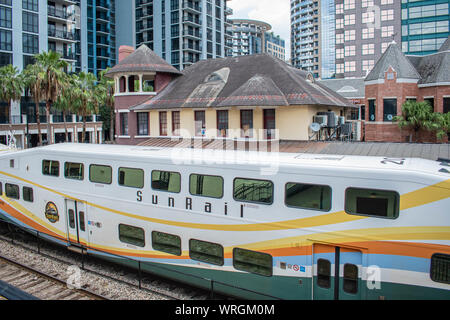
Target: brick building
{"x": 397, "y": 78}
{"x": 255, "y": 97}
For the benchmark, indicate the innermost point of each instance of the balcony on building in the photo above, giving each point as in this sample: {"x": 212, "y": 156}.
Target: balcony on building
{"x": 61, "y": 35}
{"x": 60, "y": 15}
{"x": 192, "y": 6}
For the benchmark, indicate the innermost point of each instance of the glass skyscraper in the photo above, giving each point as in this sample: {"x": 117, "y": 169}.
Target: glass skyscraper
{"x": 425, "y": 25}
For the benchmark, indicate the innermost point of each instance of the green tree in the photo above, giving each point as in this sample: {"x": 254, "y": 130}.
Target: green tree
{"x": 67, "y": 101}
{"x": 105, "y": 91}
{"x": 53, "y": 67}
{"x": 417, "y": 116}
{"x": 34, "y": 79}
{"x": 11, "y": 87}
{"x": 84, "y": 90}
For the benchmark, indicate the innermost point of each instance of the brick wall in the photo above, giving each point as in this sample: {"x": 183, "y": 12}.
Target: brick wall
{"x": 391, "y": 132}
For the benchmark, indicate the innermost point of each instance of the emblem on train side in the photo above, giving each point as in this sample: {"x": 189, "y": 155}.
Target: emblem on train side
{"x": 51, "y": 212}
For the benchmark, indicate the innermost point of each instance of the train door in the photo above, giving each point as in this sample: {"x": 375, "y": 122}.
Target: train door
{"x": 336, "y": 273}
{"x": 76, "y": 222}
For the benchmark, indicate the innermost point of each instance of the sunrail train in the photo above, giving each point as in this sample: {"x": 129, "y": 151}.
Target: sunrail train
{"x": 260, "y": 225}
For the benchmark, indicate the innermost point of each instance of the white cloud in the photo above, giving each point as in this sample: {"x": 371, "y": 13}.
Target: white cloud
{"x": 276, "y": 13}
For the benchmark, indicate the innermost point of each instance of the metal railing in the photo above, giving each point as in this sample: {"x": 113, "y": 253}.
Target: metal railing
{"x": 139, "y": 265}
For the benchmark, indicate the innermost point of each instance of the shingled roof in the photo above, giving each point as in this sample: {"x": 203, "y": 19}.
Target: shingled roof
{"x": 430, "y": 69}
{"x": 254, "y": 80}
{"x": 142, "y": 60}
{"x": 393, "y": 57}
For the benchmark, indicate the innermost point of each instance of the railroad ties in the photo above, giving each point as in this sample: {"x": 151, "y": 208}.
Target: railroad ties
{"x": 40, "y": 285}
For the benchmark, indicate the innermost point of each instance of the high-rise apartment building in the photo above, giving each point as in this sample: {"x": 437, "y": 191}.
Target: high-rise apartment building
{"x": 305, "y": 35}
{"x": 425, "y": 25}
{"x": 248, "y": 36}
{"x": 183, "y": 31}
{"x": 98, "y": 27}
{"x": 275, "y": 45}
{"x": 253, "y": 37}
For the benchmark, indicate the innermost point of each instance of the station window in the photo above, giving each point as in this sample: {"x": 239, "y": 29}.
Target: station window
{"x": 165, "y": 242}
{"x": 308, "y": 196}
{"x": 130, "y": 177}
{"x": 374, "y": 203}
{"x": 166, "y": 181}
{"x": 206, "y": 186}
{"x": 250, "y": 190}
{"x": 206, "y": 252}
{"x": 130, "y": 234}
{"x": 253, "y": 262}
{"x": 50, "y": 168}
{"x": 440, "y": 268}
{"x": 12, "y": 191}
{"x": 27, "y": 194}
{"x": 100, "y": 174}
{"x": 74, "y": 171}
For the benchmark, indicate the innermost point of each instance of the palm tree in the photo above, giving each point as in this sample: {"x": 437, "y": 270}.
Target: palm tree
{"x": 68, "y": 101}
{"x": 53, "y": 68}
{"x": 105, "y": 91}
{"x": 88, "y": 100}
{"x": 11, "y": 87}
{"x": 34, "y": 78}
{"x": 416, "y": 116}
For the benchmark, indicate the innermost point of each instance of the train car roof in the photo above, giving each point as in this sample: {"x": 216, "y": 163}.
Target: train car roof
{"x": 215, "y": 156}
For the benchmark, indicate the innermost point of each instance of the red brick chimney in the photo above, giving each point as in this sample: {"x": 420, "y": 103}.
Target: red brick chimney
{"x": 125, "y": 51}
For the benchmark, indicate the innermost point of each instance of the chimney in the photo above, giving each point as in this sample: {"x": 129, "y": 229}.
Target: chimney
{"x": 125, "y": 51}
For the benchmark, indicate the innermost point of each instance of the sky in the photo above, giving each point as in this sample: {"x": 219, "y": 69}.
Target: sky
{"x": 276, "y": 13}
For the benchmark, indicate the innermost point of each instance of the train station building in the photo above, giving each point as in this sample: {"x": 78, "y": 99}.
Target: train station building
{"x": 257, "y": 97}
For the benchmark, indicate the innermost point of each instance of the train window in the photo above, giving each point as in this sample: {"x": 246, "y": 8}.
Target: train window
{"x": 100, "y": 174}
{"x": 1, "y": 189}
{"x": 324, "y": 273}
{"x": 129, "y": 177}
{"x": 166, "y": 181}
{"x": 253, "y": 262}
{"x": 74, "y": 171}
{"x": 71, "y": 219}
{"x": 50, "y": 168}
{"x": 165, "y": 242}
{"x": 82, "y": 223}
{"x": 131, "y": 235}
{"x": 206, "y": 252}
{"x": 374, "y": 203}
{"x": 27, "y": 194}
{"x": 251, "y": 190}
{"x": 206, "y": 186}
{"x": 308, "y": 196}
{"x": 440, "y": 268}
{"x": 350, "y": 278}
{"x": 12, "y": 191}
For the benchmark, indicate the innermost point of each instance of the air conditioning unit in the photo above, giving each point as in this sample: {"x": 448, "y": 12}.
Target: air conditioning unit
{"x": 322, "y": 120}
{"x": 341, "y": 120}
{"x": 347, "y": 129}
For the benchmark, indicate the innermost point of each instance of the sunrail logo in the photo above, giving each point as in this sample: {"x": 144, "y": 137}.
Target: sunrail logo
{"x": 51, "y": 212}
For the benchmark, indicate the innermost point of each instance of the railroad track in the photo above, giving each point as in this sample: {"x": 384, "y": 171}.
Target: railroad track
{"x": 39, "y": 284}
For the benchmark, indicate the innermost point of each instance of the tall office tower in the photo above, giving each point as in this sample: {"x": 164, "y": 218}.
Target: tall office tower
{"x": 364, "y": 30}
{"x": 425, "y": 25}
{"x": 248, "y": 36}
{"x": 305, "y": 28}
{"x": 183, "y": 31}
